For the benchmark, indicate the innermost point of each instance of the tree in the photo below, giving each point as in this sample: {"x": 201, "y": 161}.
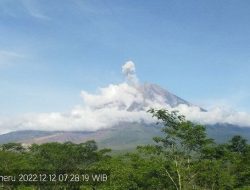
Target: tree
{"x": 13, "y": 147}
{"x": 238, "y": 144}
{"x": 182, "y": 143}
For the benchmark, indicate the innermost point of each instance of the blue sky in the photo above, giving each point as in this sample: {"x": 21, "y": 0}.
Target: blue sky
{"x": 51, "y": 50}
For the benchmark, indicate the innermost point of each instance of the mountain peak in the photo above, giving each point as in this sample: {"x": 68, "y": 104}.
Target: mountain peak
{"x": 155, "y": 92}
{"x": 152, "y": 95}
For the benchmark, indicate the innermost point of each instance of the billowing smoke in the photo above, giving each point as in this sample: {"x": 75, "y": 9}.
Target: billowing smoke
{"x": 125, "y": 102}
{"x": 107, "y": 108}
{"x": 128, "y": 69}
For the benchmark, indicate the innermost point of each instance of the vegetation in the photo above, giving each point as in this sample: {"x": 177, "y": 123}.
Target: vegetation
{"x": 183, "y": 158}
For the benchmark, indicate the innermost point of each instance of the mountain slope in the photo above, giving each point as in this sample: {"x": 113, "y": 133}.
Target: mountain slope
{"x": 126, "y": 136}
{"x": 154, "y": 92}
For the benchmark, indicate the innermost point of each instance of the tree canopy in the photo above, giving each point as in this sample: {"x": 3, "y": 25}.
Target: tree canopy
{"x": 183, "y": 158}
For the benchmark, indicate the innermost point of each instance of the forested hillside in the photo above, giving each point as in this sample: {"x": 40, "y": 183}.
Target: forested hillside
{"x": 182, "y": 158}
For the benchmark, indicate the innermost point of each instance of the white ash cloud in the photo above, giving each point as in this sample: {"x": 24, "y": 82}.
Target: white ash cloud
{"x": 124, "y": 102}
{"x": 128, "y": 69}
{"x": 107, "y": 108}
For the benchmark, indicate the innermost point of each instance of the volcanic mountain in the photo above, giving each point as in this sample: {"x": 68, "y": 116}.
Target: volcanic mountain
{"x": 117, "y": 117}
{"x": 125, "y": 135}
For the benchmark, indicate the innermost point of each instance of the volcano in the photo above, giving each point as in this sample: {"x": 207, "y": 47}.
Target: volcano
{"x": 116, "y": 117}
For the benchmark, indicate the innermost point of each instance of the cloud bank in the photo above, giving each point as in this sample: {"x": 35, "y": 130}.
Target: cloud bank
{"x": 124, "y": 102}
{"x": 215, "y": 115}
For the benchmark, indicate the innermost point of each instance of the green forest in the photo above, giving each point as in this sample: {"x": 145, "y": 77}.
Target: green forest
{"x": 183, "y": 158}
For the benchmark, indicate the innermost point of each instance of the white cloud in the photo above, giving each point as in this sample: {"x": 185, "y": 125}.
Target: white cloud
{"x": 22, "y": 7}
{"x": 105, "y": 109}
{"x": 117, "y": 103}
{"x": 8, "y": 57}
{"x": 33, "y": 9}
{"x": 215, "y": 115}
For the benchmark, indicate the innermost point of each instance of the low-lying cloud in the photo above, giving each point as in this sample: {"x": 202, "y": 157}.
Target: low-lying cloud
{"x": 215, "y": 115}
{"x": 125, "y": 102}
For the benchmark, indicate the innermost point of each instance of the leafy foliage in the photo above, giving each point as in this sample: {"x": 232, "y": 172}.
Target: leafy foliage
{"x": 182, "y": 158}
